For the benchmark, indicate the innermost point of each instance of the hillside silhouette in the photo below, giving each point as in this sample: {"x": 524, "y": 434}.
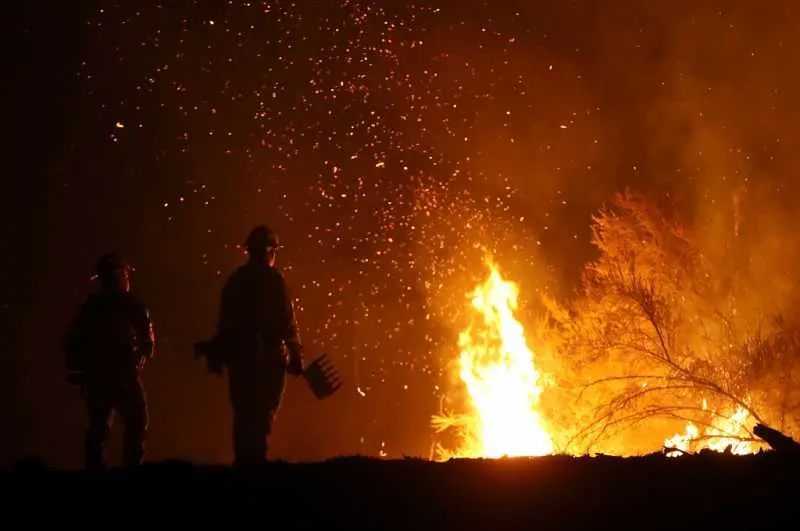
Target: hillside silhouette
{"x": 704, "y": 491}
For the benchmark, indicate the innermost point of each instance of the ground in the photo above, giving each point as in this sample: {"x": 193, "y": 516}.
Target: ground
{"x": 711, "y": 491}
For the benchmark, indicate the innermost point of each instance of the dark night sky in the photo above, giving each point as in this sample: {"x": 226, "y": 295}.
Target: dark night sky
{"x": 382, "y": 140}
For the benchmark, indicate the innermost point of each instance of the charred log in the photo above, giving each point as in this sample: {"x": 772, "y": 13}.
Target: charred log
{"x": 777, "y": 440}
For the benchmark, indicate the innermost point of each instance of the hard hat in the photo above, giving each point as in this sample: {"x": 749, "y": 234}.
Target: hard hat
{"x": 261, "y": 237}
{"x": 109, "y": 263}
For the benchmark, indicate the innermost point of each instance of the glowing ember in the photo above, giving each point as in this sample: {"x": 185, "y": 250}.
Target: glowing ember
{"x": 723, "y": 433}
{"x": 497, "y": 368}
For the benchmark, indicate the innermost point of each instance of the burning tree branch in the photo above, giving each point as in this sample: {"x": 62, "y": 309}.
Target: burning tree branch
{"x": 603, "y": 424}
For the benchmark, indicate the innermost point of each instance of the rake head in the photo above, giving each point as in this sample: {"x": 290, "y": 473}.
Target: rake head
{"x": 322, "y": 377}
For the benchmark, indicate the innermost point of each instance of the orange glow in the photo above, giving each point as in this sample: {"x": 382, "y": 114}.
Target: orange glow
{"x": 723, "y": 433}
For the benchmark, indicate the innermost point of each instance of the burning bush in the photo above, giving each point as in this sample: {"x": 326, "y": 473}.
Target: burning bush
{"x": 656, "y": 338}
{"x": 664, "y": 345}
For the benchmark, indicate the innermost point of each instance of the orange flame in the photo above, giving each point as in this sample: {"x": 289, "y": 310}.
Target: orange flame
{"x": 724, "y": 433}
{"x": 497, "y": 368}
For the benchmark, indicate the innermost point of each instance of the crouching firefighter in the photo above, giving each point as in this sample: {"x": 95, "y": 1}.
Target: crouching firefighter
{"x": 255, "y": 329}
{"x": 107, "y": 346}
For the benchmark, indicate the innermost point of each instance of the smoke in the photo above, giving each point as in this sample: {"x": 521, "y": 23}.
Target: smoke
{"x": 727, "y": 118}
{"x": 689, "y": 104}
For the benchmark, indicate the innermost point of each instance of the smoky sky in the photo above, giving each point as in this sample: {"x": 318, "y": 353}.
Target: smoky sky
{"x": 385, "y": 142}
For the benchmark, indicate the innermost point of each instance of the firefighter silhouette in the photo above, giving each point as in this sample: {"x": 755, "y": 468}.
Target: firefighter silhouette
{"x": 108, "y": 344}
{"x": 259, "y": 342}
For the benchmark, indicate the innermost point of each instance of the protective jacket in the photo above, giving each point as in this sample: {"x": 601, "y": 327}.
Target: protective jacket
{"x": 110, "y": 338}
{"x": 256, "y": 314}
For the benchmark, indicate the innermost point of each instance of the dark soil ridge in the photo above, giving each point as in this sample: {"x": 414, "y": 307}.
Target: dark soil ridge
{"x": 707, "y": 490}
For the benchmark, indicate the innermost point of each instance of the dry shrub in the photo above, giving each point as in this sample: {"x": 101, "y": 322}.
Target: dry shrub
{"x": 654, "y": 334}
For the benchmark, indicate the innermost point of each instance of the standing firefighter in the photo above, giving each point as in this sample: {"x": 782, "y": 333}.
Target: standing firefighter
{"x": 255, "y": 330}
{"x": 110, "y": 340}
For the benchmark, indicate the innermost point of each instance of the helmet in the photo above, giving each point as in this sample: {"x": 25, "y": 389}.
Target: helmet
{"x": 109, "y": 263}
{"x": 261, "y": 237}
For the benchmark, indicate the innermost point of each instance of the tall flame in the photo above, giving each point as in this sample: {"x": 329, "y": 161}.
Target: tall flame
{"x": 498, "y": 371}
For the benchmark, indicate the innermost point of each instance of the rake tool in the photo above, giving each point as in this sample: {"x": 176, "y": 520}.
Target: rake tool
{"x": 322, "y": 377}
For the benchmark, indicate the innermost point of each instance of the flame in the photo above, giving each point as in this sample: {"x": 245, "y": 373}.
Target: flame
{"x": 497, "y": 368}
{"x": 723, "y": 433}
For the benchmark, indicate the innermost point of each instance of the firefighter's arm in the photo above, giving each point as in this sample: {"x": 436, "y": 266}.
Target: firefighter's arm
{"x": 145, "y": 334}
{"x": 291, "y": 334}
